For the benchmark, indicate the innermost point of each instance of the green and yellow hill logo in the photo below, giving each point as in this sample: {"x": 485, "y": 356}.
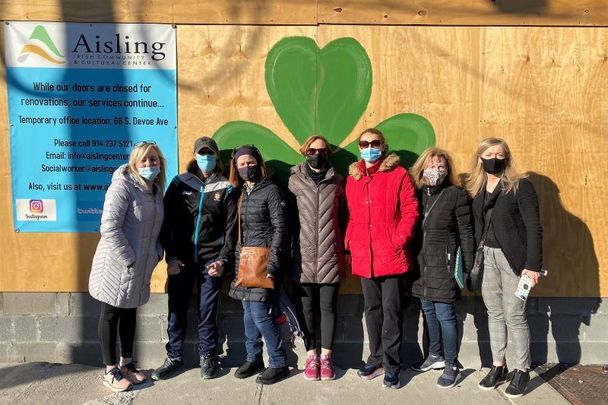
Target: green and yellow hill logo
{"x": 41, "y": 44}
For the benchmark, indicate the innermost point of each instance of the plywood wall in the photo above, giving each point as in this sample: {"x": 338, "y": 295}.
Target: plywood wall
{"x": 542, "y": 89}
{"x": 302, "y": 12}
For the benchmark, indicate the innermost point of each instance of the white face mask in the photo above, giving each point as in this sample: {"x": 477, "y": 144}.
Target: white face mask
{"x": 434, "y": 176}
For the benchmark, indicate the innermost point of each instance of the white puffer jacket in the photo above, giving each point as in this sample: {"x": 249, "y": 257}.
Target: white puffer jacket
{"x": 129, "y": 248}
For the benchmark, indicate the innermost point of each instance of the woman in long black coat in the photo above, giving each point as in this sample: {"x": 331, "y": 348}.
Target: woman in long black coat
{"x": 446, "y": 225}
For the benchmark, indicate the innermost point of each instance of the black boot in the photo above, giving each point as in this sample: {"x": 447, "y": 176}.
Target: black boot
{"x": 169, "y": 367}
{"x": 495, "y": 377}
{"x": 518, "y": 384}
{"x": 249, "y": 368}
{"x": 210, "y": 367}
{"x": 272, "y": 375}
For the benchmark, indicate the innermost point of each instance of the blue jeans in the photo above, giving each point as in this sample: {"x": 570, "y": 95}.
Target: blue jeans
{"x": 440, "y": 321}
{"x": 180, "y": 291}
{"x": 259, "y": 323}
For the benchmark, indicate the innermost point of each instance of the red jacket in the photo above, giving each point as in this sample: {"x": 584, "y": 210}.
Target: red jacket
{"x": 383, "y": 211}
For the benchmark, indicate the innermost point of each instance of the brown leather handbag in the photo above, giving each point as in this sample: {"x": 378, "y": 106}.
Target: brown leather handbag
{"x": 253, "y": 262}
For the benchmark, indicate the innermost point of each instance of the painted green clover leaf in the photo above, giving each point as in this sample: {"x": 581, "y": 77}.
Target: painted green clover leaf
{"x": 322, "y": 91}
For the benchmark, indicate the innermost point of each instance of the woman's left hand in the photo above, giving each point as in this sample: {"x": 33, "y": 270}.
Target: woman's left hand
{"x": 534, "y": 276}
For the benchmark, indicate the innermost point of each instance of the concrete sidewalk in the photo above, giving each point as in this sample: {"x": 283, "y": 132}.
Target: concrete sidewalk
{"x": 36, "y": 383}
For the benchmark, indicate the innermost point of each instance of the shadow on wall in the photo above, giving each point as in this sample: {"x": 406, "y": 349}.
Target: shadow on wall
{"x": 570, "y": 258}
{"x": 521, "y": 7}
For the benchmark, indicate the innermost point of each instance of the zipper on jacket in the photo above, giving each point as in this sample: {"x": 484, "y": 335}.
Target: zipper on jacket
{"x": 423, "y": 250}
{"x": 198, "y": 222}
{"x": 317, "y": 236}
{"x": 143, "y": 279}
{"x": 369, "y": 226}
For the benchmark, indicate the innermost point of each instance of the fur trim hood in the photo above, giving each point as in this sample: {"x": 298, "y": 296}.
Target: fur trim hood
{"x": 390, "y": 161}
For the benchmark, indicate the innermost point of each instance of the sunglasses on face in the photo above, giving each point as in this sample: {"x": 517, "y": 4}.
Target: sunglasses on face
{"x": 205, "y": 151}
{"x": 313, "y": 151}
{"x": 144, "y": 143}
{"x": 376, "y": 143}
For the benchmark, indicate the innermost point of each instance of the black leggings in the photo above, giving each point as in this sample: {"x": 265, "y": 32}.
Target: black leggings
{"x": 111, "y": 320}
{"x": 310, "y": 297}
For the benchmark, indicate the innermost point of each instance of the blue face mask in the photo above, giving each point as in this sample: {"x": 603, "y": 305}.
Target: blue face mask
{"x": 370, "y": 155}
{"x": 206, "y": 162}
{"x": 149, "y": 173}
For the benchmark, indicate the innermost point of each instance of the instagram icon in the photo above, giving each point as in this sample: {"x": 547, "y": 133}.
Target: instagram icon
{"x": 36, "y": 206}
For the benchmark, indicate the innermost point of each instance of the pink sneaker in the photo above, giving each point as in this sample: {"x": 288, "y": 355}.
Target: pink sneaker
{"x": 311, "y": 370}
{"x": 132, "y": 374}
{"x": 327, "y": 369}
{"x": 115, "y": 381}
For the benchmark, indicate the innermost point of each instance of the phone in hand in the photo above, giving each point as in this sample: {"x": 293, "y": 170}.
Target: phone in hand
{"x": 524, "y": 286}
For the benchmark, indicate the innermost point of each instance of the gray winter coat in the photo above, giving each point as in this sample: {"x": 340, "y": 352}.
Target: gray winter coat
{"x": 318, "y": 234}
{"x": 129, "y": 248}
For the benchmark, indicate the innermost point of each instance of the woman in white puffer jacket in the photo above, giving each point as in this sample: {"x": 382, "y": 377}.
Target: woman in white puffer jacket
{"x": 126, "y": 255}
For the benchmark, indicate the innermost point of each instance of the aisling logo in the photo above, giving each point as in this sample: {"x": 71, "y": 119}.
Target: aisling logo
{"x": 41, "y": 44}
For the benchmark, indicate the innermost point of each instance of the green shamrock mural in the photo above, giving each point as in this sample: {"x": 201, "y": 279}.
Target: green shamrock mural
{"x": 322, "y": 91}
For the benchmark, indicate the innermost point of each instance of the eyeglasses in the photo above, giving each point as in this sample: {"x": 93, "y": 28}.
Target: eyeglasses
{"x": 144, "y": 143}
{"x": 376, "y": 143}
{"x": 313, "y": 151}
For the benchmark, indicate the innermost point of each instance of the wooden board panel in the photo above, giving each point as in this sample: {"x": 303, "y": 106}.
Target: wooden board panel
{"x": 392, "y": 12}
{"x": 464, "y": 12}
{"x": 543, "y": 89}
{"x": 221, "y": 79}
{"x": 157, "y": 11}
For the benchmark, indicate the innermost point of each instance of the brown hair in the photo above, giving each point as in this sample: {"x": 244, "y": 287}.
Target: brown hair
{"x": 312, "y": 139}
{"x": 477, "y": 178}
{"x": 234, "y": 178}
{"x": 377, "y": 132}
{"x": 417, "y": 170}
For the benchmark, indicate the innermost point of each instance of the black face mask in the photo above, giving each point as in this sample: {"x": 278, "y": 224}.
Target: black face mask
{"x": 494, "y": 165}
{"x": 317, "y": 161}
{"x": 248, "y": 173}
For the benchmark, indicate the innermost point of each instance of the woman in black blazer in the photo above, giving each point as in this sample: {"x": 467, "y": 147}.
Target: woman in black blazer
{"x": 507, "y": 224}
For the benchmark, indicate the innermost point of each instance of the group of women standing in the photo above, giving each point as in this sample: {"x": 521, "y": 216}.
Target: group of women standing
{"x": 383, "y": 221}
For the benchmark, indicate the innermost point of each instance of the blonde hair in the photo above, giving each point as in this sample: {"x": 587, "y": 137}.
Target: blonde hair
{"x": 138, "y": 152}
{"x": 477, "y": 178}
{"x": 312, "y": 139}
{"x": 417, "y": 171}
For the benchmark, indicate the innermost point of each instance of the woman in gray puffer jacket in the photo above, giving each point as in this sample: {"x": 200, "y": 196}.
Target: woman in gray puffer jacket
{"x": 126, "y": 255}
{"x": 317, "y": 193}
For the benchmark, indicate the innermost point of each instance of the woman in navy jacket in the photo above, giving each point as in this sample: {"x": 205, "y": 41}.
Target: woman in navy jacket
{"x": 198, "y": 235}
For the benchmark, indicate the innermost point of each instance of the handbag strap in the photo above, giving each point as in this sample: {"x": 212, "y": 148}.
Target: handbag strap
{"x": 426, "y": 214}
{"x": 486, "y": 226}
{"x": 238, "y": 214}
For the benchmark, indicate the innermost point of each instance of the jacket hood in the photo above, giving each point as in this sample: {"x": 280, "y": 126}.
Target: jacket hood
{"x": 389, "y": 163}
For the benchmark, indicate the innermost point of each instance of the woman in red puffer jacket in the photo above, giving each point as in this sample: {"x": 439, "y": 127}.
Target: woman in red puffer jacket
{"x": 383, "y": 211}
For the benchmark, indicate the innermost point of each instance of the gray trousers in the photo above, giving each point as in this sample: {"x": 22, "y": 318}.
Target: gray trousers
{"x": 505, "y": 310}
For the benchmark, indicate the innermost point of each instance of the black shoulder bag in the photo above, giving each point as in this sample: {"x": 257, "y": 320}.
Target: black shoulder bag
{"x": 476, "y": 274}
